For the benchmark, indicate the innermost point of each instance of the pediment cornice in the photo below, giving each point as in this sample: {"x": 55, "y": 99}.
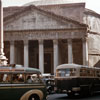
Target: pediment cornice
{"x": 47, "y": 13}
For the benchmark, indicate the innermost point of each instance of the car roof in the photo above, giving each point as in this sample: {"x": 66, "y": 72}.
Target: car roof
{"x": 63, "y": 66}
{"x": 18, "y": 69}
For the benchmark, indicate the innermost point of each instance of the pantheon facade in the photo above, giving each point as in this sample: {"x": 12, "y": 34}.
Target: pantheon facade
{"x": 44, "y": 35}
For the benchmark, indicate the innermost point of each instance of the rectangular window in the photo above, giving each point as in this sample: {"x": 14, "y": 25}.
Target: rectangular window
{"x": 18, "y": 78}
{"x": 66, "y": 72}
{"x": 98, "y": 73}
{"x": 86, "y": 72}
{"x": 5, "y": 78}
{"x": 83, "y": 72}
{"x": 33, "y": 78}
{"x": 90, "y": 72}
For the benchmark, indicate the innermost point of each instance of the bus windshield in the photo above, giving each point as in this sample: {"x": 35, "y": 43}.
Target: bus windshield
{"x": 66, "y": 72}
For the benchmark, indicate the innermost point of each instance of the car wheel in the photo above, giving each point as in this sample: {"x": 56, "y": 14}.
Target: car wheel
{"x": 34, "y": 97}
{"x": 70, "y": 94}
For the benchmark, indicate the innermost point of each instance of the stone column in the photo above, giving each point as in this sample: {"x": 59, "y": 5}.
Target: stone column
{"x": 26, "y": 57}
{"x": 85, "y": 52}
{"x": 3, "y": 59}
{"x": 70, "y": 51}
{"x": 56, "y": 54}
{"x": 41, "y": 56}
{"x": 12, "y": 53}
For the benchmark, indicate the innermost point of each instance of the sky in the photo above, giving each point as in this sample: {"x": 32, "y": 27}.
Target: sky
{"x": 90, "y": 4}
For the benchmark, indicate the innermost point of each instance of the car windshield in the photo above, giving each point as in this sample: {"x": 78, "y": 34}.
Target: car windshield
{"x": 66, "y": 72}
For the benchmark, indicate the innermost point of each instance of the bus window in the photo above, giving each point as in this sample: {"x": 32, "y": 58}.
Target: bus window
{"x": 98, "y": 73}
{"x": 90, "y": 72}
{"x": 83, "y": 72}
{"x": 18, "y": 78}
{"x": 5, "y": 78}
{"x": 33, "y": 78}
{"x": 61, "y": 73}
{"x": 1, "y": 77}
{"x": 72, "y": 72}
{"x": 66, "y": 72}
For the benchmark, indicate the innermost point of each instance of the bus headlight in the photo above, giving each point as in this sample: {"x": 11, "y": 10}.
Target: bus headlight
{"x": 76, "y": 89}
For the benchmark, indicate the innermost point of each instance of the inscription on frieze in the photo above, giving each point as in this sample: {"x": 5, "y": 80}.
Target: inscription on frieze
{"x": 43, "y": 35}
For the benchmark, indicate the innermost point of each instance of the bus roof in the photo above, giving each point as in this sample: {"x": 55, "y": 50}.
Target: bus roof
{"x": 18, "y": 68}
{"x": 63, "y": 66}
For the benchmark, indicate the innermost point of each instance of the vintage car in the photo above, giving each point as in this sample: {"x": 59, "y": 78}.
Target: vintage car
{"x": 20, "y": 83}
{"x": 50, "y": 82}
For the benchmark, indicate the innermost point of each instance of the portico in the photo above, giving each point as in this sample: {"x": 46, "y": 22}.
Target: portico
{"x": 48, "y": 43}
{"x": 45, "y": 41}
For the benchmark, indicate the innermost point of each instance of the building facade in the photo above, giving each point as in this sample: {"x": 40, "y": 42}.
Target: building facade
{"x": 45, "y": 36}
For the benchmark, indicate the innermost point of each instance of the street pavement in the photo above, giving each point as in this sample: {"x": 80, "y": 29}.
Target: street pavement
{"x": 65, "y": 97}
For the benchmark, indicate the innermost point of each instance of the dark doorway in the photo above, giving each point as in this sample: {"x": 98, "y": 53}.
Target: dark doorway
{"x": 47, "y": 63}
{"x": 33, "y": 50}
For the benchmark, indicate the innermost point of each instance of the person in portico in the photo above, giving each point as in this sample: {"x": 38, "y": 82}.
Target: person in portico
{"x": 44, "y": 36}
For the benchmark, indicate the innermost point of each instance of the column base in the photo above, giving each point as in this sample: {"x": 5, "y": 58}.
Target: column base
{"x": 3, "y": 60}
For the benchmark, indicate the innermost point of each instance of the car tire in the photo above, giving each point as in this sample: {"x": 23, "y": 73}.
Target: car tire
{"x": 34, "y": 97}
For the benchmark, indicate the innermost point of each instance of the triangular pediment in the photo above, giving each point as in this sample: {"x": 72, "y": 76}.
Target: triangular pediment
{"x": 34, "y": 18}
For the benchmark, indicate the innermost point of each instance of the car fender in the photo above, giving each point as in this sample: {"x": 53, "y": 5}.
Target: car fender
{"x": 29, "y": 93}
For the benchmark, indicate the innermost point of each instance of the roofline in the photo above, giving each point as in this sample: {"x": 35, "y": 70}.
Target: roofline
{"x": 68, "y": 5}
{"x": 91, "y": 12}
{"x": 49, "y": 13}
{"x": 95, "y": 33}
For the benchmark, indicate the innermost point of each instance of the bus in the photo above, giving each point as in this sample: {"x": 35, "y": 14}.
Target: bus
{"x": 20, "y": 83}
{"x": 75, "y": 79}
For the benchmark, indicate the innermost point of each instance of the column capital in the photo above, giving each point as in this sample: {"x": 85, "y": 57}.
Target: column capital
{"x": 11, "y": 42}
{"x": 55, "y": 41}
{"x": 25, "y": 42}
{"x": 41, "y": 41}
{"x": 69, "y": 40}
{"x": 84, "y": 39}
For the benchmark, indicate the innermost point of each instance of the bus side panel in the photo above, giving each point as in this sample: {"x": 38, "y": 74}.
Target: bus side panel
{"x": 15, "y": 93}
{"x": 67, "y": 84}
{"x": 85, "y": 84}
{"x": 97, "y": 84}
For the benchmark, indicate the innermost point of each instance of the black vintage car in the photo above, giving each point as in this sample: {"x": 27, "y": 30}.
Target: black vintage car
{"x": 50, "y": 82}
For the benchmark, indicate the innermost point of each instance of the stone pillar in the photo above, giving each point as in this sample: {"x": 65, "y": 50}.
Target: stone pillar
{"x": 12, "y": 53}
{"x": 85, "y": 52}
{"x": 70, "y": 51}
{"x": 41, "y": 56}
{"x": 26, "y": 57}
{"x": 56, "y": 54}
{"x": 3, "y": 59}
